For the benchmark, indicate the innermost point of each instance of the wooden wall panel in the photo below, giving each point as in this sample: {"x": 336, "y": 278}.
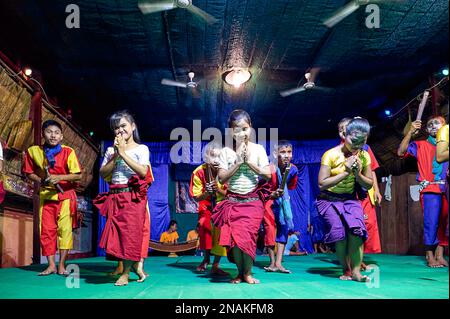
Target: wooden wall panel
{"x": 400, "y": 221}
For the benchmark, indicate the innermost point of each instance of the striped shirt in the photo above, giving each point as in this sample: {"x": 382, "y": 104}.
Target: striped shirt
{"x": 122, "y": 172}
{"x": 244, "y": 180}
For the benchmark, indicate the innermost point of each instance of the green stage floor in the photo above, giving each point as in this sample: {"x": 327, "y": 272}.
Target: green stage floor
{"x": 313, "y": 277}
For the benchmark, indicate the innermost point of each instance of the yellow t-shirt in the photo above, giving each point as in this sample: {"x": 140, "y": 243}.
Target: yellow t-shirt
{"x": 192, "y": 235}
{"x": 66, "y": 162}
{"x": 335, "y": 159}
{"x": 169, "y": 238}
{"x": 442, "y": 134}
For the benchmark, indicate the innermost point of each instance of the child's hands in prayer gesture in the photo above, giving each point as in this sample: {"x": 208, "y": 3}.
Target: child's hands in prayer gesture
{"x": 242, "y": 153}
{"x": 351, "y": 164}
{"x": 119, "y": 144}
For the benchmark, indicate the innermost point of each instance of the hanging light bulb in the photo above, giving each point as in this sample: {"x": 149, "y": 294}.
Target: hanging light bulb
{"x": 237, "y": 77}
{"x": 27, "y": 72}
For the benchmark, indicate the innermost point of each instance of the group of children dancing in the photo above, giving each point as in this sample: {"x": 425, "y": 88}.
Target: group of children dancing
{"x": 237, "y": 190}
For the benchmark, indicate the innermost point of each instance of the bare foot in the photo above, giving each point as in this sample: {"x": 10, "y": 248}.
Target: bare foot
{"x": 271, "y": 269}
{"x": 140, "y": 269}
{"x": 202, "y": 266}
{"x": 62, "y": 270}
{"x": 433, "y": 263}
{"x": 49, "y": 271}
{"x": 282, "y": 269}
{"x": 236, "y": 280}
{"x": 442, "y": 261}
{"x": 363, "y": 266}
{"x": 347, "y": 275}
{"x": 218, "y": 272}
{"x": 122, "y": 281}
{"x": 356, "y": 276}
{"x": 142, "y": 276}
{"x": 116, "y": 272}
{"x": 249, "y": 279}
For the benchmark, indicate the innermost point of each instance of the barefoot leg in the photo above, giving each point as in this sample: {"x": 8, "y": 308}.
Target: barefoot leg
{"x": 355, "y": 250}
{"x": 431, "y": 260}
{"x": 140, "y": 271}
{"x": 347, "y": 274}
{"x": 51, "y": 269}
{"x": 248, "y": 263}
{"x": 250, "y": 279}
{"x": 139, "y": 267}
{"x": 63, "y": 253}
{"x": 236, "y": 280}
{"x": 356, "y": 276}
{"x": 341, "y": 252}
{"x": 215, "y": 270}
{"x": 123, "y": 280}
{"x": 279, "y": 260}
{"x": 271, "y": 253}
{"x": 439, "y": 255}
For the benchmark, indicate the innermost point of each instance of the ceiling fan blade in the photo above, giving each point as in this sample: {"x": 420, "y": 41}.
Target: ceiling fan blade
{"x": 342, "y": 13}
{"x": 173, "y": 83}
{"x": 202, "y": 14}
{"x": 292, "y": 91}
{"x": 156, "y": 6}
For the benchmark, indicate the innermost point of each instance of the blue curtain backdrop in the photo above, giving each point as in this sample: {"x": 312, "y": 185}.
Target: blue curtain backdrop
{"x": 306, "y": 156}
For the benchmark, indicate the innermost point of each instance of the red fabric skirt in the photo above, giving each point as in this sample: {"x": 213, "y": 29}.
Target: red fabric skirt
{"x": 239, "y": 222}
{"x": 205, "y": 229}
{"x": 373, "y": 244}
{"x": 125, "y": 213}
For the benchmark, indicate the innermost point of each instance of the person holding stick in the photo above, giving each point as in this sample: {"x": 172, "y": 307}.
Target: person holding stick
{"x": 207, "y": 191}
{"x": 431, "y": 177}
{"x": 56, "y": 169}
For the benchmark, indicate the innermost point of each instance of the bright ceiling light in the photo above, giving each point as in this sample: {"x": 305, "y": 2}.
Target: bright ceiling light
{"x": 27, "y": 71}
{"x": 237, "y": 77}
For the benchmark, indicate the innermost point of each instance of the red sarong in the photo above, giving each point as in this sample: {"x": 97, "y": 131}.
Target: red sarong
{"x": 270, "y": 227}
{"x": 205, "y": 228}
{"x": 125, "y": 214}
{"x": 239, "y": 221}
{"x": 373, "y": 244}
{"x": 146, "y": 234}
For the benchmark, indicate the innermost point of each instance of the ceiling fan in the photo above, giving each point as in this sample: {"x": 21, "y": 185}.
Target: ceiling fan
{"x": 191, "y": 84}
{"x": 150, "y": 6}
{"x": 348, "y": 9}
{"x": 308, "y": 85}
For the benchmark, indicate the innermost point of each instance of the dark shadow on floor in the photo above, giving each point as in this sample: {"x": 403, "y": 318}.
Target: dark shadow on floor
{"x": 333, "y": 272}
{"x": 95, "y": 273}
{"x": 332, "y": 260}
{"x": 192, "y": 267}
{"x": 262, "y": 264}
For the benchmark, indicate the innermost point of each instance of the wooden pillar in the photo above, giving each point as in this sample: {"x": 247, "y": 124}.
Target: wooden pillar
{"x": 36, "y": 117}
